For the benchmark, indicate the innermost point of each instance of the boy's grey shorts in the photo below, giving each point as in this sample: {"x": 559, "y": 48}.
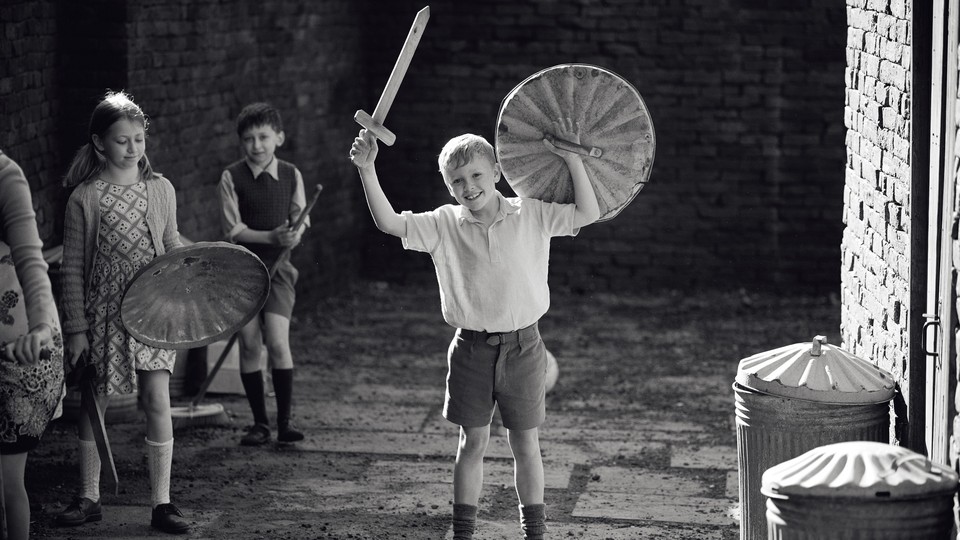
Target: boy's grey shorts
{"x": 507, "y": 369}
{"x": 282, "y": 291}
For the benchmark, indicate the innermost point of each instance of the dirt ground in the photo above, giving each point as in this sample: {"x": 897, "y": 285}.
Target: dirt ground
{"x": 612, "y": 350}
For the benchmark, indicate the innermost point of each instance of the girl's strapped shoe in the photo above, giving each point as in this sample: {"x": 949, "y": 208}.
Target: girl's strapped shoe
{"x": 81, "y": 510}
{"x": 169, "y": 519}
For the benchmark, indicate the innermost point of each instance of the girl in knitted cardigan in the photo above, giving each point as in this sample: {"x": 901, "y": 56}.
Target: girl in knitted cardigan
{"x": 120, "y": 216}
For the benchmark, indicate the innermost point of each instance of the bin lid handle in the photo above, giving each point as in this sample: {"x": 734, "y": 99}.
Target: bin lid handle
{"x": 817, "y": 347}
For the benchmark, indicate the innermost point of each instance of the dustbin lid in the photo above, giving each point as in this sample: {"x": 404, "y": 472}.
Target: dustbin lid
{"x": 859, "y": 469}
{"x": 816, "y": 371}
{"x": 194, "y": 295}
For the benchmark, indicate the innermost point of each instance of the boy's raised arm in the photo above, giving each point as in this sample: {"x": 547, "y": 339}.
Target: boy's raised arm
{"x": 588, "y": 209}
{"x": 363, "y": 154}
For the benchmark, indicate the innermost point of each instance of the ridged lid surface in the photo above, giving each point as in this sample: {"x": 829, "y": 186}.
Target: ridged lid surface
{"x": 859, "y": 469}
{"x": 816, "y": 371}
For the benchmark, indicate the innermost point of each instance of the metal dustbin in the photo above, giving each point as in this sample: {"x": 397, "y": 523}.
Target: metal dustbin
{"x": 796, "y": 398}
{"x": 859, "y": 491}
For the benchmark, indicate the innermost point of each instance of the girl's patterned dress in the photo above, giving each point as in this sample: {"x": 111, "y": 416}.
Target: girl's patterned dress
{"x": 30, "y": 394}
{"x": 124, "y": 246}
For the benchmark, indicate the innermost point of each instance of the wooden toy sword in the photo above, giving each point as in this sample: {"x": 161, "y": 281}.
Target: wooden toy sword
{"x": 374, "y": 124}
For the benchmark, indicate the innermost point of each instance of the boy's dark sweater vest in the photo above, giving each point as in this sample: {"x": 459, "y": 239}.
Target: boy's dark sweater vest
{"x": 264, "y": 203}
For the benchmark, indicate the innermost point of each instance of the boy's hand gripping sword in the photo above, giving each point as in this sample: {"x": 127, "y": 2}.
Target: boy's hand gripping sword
{"x": 374, "y": 124}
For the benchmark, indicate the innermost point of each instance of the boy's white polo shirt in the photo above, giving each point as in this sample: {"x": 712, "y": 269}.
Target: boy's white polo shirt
{"x": 495, "y": 279}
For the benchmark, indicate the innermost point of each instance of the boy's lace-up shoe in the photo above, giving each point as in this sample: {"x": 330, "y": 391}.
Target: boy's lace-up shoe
{"x": 287, "y": 433}
{"x": 257, "y": 435}
{"x": 169, "y": 519}
{"x": 81, "y": 510}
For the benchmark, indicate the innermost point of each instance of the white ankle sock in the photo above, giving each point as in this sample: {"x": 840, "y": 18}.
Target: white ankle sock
{"x": 159, "y": 460}
{"x": 89, "y": 470}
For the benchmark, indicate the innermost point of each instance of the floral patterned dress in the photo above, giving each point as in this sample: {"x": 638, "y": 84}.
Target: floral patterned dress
{"x": 30, "y": 394}
{"x": 124, "y": 246}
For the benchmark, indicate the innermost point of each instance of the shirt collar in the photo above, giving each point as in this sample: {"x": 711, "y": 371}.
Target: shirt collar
{"x": 271, "y": 168}
{"x": 507, "y": 207}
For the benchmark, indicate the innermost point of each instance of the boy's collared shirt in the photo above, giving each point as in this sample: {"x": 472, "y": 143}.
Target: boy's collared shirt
{"x": 491, "y": 279}
{"x": 231, "y": 221}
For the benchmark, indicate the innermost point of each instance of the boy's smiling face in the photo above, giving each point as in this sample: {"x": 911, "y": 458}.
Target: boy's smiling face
{"x": 260, "y": 143}
{"x": 473, "y": 184}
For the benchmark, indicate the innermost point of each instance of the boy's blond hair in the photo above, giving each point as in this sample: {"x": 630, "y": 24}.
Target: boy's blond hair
{"x": 461, "y": 149}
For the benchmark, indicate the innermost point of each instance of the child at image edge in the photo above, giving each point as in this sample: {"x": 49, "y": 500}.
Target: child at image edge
{"x": 491, "y": 256}
{"x": 260, "y": 197}
{"x": 120, "y": 216}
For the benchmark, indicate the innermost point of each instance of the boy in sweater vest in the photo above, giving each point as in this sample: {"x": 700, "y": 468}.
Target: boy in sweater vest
{"x": 260, "y": 197}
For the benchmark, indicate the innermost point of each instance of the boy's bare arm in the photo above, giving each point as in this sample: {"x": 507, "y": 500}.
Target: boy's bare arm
{"x": 585, "y": 199}
{"x": 363, "y": 154}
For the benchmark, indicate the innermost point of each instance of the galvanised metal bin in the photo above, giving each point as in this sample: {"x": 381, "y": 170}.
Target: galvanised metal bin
{"x": 796, "y": 398}
{"x": 859, "y": 491}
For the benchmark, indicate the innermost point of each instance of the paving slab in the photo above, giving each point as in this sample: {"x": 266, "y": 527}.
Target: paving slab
{"x": 555, "y": 475}
{"x": 395, "y": 394}
{"x": 704, "y": 457}
{"x": 341, "y": 495}
{"x": 374, "y": 416}
{"x": 380, "y": 443}
{"x": 610, "y": 449}
{"x": 652, "y": 507}
{"x": 636, "y": 422}
{"x": 733, "y": 485}
{"x": 643, "y": 482}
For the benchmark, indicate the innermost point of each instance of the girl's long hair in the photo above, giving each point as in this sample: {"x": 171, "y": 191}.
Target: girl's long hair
{"x": 89, "y": 162}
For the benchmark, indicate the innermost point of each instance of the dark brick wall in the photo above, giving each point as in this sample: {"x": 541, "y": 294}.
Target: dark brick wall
{"x": 28, "y": 103}
{"x": 194, "y": 65}
{"x": 746, "y": 97}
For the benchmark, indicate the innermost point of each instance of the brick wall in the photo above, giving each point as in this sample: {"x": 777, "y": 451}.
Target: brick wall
{"x": 876, "y": 241}
{"x": 745, "y": 95}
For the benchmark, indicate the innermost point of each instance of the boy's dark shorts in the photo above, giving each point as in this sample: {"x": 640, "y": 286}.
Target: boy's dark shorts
{"x": 507, "y": 369}
{"x": 282, "y": 291}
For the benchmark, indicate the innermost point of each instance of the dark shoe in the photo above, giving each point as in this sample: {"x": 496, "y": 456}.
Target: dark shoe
{"x": 257, "y": 435}
{"x": 287, "y": 433}
{"x": 80, "y": 511}
{"x": 167, "y": 518}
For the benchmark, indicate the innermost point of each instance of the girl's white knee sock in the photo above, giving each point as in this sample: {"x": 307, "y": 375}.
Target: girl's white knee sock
{"x": 89, "y": 470}
{"x": 159, "y": 460}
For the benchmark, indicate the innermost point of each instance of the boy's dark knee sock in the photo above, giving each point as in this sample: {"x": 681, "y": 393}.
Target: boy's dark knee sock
{"x": 532, "y": 521}
{"x": 464, "y": 521}
{"x": 253, "y": 386}
{"x": 283, "y": 387}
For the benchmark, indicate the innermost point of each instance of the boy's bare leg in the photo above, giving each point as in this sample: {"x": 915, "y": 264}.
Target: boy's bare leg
{"x": 277, "y": 336}
{"x": 468, "y": 470}
{"x": 468, "y": 479}
{"x": 528, "y": 474}
{"x": 528, "y": 465}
